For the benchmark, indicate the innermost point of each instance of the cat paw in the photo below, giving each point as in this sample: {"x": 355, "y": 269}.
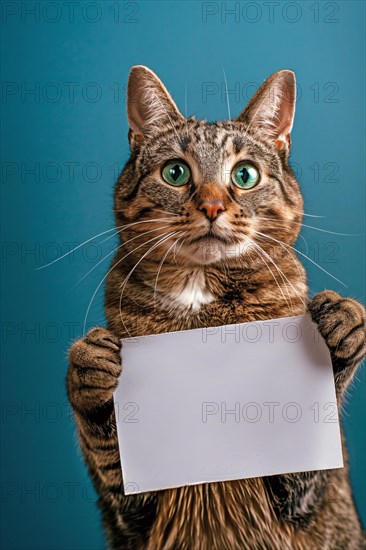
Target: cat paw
{"x": 341, "y": 322}
{"x": 95, "y": 365}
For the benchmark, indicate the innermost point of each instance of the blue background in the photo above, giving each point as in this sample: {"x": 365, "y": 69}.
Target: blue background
{"x": 47, "y": 498}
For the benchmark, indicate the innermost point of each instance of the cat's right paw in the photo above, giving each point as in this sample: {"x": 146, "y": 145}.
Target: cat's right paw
{"x": 95, "y": 365}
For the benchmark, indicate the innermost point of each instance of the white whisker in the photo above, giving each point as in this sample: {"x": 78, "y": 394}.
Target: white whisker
{"x": 165, "y": 212}
{"x": 180, "y": 248}
{"x": 116, "y": 229}
{"x": 289, "y": 282}
{"x": 124, "y": 283}
{"x": 305, "y": 241}
{"x": 76, "y": 248}
{"x": 227, "y": 95}
{"x": 161, "y": 265}
{"x": 305, "y": 256}
{"x": 113, "y": 251}
{"x": 283, "y": 246}
{"x": 105, "y": 276}
{"x": 308, "y": 215}
{"x": 316, "y": 228}
{"x": 259, "y": 251}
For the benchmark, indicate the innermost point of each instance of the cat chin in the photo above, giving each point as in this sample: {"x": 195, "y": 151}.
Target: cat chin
{"x": 210, "y": 251}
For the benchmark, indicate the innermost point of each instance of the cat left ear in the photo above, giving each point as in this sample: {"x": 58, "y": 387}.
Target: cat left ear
{"x": 272, "y": 109}
{"x": 150, "y": 107}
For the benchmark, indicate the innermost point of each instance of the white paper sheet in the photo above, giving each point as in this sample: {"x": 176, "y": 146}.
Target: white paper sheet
{"x": 224, "y": 403}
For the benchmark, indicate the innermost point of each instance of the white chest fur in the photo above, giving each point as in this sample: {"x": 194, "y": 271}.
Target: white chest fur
{"x": 192, "y": 293}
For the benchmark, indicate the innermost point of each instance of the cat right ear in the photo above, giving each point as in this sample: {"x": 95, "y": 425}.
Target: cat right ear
{"x": 150, "y": 108}
{"x": 272, "y": 109}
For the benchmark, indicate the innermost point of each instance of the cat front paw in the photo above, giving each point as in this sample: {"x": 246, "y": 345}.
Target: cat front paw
{"x": 95, "y": 365}
{"x": 341, "y": 322}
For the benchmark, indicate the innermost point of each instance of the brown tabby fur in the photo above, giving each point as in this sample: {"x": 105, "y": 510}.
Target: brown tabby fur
{"x": 209, "y": 282}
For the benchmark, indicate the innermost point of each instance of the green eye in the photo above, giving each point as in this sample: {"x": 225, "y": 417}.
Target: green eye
{"x": 176, "y": 173}
{"x": 245, "y": 176}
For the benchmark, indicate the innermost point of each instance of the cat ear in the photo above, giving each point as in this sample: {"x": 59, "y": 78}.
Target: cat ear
{"x": 149, "y": 105}
{"x": 272, "y": 108}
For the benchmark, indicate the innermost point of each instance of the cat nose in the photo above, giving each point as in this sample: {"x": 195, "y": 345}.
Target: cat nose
{"x": 212, "y": 209}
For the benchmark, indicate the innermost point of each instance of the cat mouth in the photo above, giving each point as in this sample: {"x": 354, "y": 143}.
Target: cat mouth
{"x": 210, "y": 247}
{"x": 210, "y": 237}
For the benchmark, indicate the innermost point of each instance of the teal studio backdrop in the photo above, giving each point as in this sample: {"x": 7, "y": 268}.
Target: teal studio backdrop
{"x": 64, "y": 138}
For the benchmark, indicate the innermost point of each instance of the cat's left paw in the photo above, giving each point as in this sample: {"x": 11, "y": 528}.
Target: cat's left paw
{"x": 341, "y": 322}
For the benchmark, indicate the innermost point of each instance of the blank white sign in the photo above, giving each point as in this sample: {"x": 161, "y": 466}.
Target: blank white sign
{"x": 225, "y": 403}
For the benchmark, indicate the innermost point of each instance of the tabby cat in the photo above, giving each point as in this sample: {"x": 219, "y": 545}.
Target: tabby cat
{"x": 207, "y": 214}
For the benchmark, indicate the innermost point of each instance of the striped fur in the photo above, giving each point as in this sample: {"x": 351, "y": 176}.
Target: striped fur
{"x": 176, "y": 270}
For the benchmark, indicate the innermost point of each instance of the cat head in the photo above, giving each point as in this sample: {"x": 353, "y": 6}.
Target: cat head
{"x": 209, "y": 191}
